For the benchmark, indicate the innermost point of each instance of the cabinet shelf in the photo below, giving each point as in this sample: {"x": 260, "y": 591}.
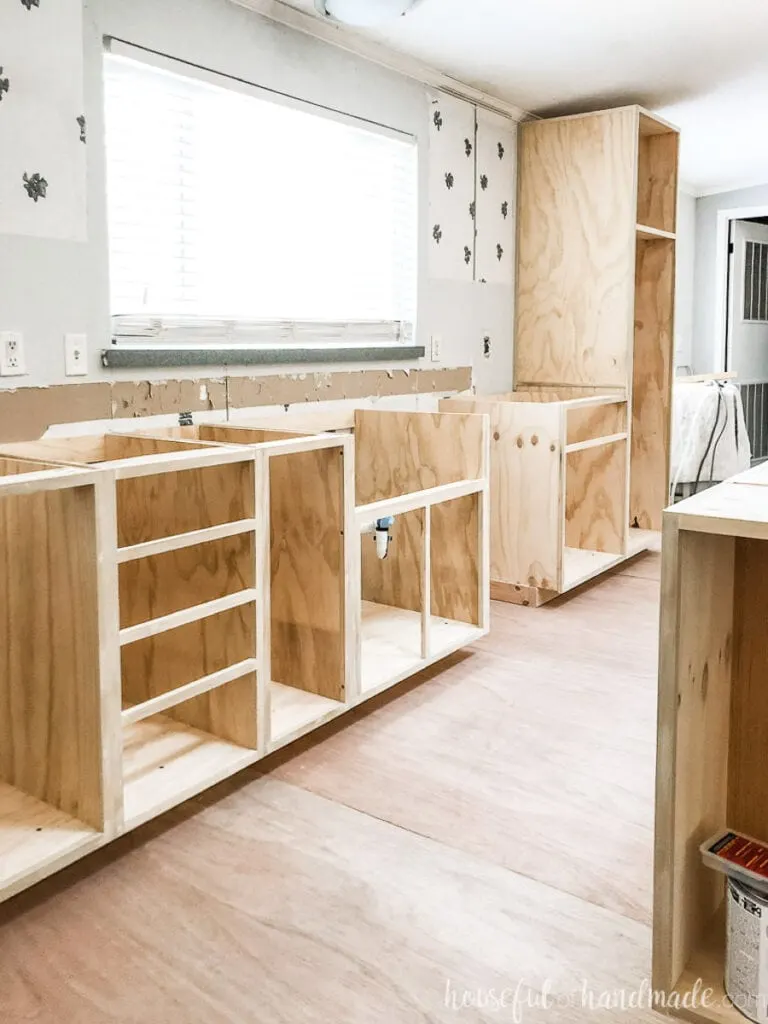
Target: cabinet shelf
{"x": 653, "y": 234}
{"x": 35, "y": 835}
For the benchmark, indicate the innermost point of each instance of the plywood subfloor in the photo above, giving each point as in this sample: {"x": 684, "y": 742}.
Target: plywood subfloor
{"x": 487, "y": 826}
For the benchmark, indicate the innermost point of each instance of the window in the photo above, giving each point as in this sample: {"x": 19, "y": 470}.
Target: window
{"x": 756, "y": 282}
{"x": 236, "y": 217}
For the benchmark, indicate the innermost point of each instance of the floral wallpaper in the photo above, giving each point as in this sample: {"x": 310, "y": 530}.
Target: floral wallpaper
{"x": 451, "y": 188}
{"x": 496, "y": 169}
{"x": 43, "y": 127}
{"x": 472, "y": 166}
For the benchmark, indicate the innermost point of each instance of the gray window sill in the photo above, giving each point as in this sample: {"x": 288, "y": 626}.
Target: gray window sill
{"x": 131, "y": 356}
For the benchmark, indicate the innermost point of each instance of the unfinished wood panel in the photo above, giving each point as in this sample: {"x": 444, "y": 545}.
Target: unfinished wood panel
{"x": 168, "y": 660}
{"x": 657, "y": 176}
{"x": 308, "y": 570}
{"x": 133, "y": 446}
{"x": 576, "y": 224}
{"x": 595, "y": 421}
{"x": 747, "y": 789}
{"x": 399, "y": 452}
{"x": 694, "y": 705}
{"x": 526, "y": 489}
{"x": 596, "y": 498}
{"x": 77, "y": 450}
{"x": 397, "y": 579}
{"x": 50, "y": 708}
{"x": 164, "y": 504}
{"x": 16, "y": 467}
{"x": 552, "y": 393}
{"x": 231, "y": 434}
{"x": 166, "y": 583}
{"x": 652, "y": 382}
{"x": 455, "y": 559}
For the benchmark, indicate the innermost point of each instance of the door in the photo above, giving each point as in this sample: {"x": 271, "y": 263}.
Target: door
{"x": 747, "y": 343}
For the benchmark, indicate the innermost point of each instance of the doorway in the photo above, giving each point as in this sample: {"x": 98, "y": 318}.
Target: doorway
{"x": 746, "y": 327}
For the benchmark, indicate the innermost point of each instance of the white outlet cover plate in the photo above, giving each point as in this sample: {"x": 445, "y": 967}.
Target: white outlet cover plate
{"x": 436, "y": 346}
{"x": 12, "y": 360}
{"x": 75, "y": 355}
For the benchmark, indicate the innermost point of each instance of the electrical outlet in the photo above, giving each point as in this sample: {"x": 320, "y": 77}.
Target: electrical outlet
{"x": 75, "y": 355}
{"x": 437, "y": 344}
{"x": 12, "y": 361}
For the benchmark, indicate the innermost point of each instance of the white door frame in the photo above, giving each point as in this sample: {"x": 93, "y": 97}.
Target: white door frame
{"x": 724, "y": 218}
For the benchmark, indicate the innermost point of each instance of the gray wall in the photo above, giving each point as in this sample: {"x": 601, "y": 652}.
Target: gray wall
{"x": 49, "y": 288}
{"x": 684, "y": 278}
{"x": 707, "y": 348}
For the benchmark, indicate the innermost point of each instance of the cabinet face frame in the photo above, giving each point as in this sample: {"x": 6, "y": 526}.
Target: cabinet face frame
{"x": 134, "y": 741}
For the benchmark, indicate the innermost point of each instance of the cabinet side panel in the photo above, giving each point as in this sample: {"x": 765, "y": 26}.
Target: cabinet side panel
{"x": 308, "y": 572}
{"x": 694, "y": 702}
{"x": 652, "y": 382}
{"x": 50, "y": 715}
{"x": 747, "y": 793}
{"x": 527, "y": 494}
{"x": 576, "y": 223}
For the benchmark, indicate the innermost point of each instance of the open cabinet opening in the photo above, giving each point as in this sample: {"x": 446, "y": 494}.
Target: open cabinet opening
{"x": 595, "y": 509}
{"x": 656, "y": 176}
{"x": 51, "y": 783}
{"x": 308, "y": 682}
{"x": 651, "y": 382}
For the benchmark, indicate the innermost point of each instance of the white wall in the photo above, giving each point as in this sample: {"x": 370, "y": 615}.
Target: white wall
{"x": 684, "y": 278}
{"x": 707, "y": 336}
{"x": 48, "y": 288}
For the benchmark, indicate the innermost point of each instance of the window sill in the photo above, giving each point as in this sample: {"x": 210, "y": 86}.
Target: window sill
{"x": 136, "y": 357}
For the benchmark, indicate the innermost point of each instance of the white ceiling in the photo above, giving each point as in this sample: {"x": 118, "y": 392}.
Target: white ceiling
{"x": 701, "y": 63}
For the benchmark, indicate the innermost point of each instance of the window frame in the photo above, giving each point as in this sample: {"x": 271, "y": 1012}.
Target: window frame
{"x": 130, "y": 346}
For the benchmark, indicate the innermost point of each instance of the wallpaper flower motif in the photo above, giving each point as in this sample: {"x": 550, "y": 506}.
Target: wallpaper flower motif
{"x": 35, "y": 186}
{"x": 42, "y": 124}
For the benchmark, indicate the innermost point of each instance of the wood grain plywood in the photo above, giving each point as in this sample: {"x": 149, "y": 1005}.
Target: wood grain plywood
{"x": 397, "y": 579}
{"x": 694, "y": 711}
{"x": 596, "y": 498}
{"x": 526, "y": 495}
{"x": 164, "y": 504}
{"x": 161, "y": 584}
{"x": 455, "y": 559}
{"x": 399, "y": 452}
{"x": 576, "y": 229}
{"x": 652, "y": 382}
{"x": 307, "y": 572}
{"x": 657, "y": 178}
{"x": 595, "y": 421}
{"x": 526, "y": 489}
{"x": 50, "y": 732}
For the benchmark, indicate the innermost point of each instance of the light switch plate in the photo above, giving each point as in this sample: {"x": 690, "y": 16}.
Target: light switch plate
{"x": 12, "y": 359}
{"x": 75, "y": 355}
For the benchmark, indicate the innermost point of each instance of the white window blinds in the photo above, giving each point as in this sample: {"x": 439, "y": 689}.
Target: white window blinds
{"x": 236, "y": 217}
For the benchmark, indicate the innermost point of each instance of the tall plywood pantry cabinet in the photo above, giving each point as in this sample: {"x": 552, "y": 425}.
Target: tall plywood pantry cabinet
{"x": 596, "y": 263}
